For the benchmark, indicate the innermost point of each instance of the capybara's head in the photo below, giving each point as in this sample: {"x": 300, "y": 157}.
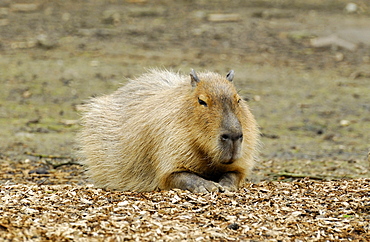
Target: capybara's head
{"x": 220, "y": 113}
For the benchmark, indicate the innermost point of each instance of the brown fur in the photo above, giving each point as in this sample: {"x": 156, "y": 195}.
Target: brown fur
{"x": 156, "y": 133}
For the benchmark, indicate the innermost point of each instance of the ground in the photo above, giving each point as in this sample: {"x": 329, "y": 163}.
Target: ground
{"x": 312, "y": 103}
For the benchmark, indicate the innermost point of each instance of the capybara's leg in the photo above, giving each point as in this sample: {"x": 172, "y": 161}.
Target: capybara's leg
{"x": 230, "y": 181}
{"x": 191, "y": 182}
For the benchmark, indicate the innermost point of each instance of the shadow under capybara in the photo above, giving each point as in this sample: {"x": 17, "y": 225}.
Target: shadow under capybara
{"x": 164, "y": 130}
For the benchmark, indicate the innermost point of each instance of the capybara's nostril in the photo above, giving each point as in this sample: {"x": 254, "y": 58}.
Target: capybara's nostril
{"x": 225, "y": 137}
{"x": 240, "y": 137}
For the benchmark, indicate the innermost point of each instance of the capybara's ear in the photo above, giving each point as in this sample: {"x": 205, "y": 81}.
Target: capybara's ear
{"x": 194, "y": 78}
{"x": 230, "y": 76}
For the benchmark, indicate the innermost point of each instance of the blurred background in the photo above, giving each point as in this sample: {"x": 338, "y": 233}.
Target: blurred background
{"x": 303, "y": 66}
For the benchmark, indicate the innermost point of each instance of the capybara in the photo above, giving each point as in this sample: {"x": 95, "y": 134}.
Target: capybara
{"x": 164, "y": 130}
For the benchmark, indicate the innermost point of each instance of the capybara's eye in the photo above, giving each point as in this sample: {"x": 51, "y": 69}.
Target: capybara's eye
{"x": 239, "y": 99}
{"x": 201, "y": 102}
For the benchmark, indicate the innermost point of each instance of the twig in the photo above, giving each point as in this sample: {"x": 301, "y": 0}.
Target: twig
{"x": 48, "y": 156}
{"x": 69, "y": 163}
{"x": 55, "y": 157}
{"x": 302, "y": 176}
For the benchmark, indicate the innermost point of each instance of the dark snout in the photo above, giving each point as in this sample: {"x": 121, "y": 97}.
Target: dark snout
{"x": 231, "y": 140}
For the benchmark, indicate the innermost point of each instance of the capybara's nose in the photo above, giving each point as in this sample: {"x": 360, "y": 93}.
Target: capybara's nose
{"x": 233, "y": 137}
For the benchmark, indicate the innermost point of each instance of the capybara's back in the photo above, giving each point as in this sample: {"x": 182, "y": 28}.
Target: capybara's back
{"x": 164, "y": 130}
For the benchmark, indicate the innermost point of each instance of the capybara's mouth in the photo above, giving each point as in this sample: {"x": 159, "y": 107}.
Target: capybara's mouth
{"x": 228, "y": 162}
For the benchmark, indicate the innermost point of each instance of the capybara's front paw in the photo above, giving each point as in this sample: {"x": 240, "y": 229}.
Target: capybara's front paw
{"x": 230, "y": 188}
{"x": 208, "y": 186}
{"x": 192, "y": 182}
{"x": 230, "y": 180}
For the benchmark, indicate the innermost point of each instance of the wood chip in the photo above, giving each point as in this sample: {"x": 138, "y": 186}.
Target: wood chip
{"x": 217, "y": 17}
{"x": 24, "y": 7}
{"x": 333, "y": 40}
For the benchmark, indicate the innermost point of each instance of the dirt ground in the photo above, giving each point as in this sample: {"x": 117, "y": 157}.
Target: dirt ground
{"x": 311, "y": 101}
